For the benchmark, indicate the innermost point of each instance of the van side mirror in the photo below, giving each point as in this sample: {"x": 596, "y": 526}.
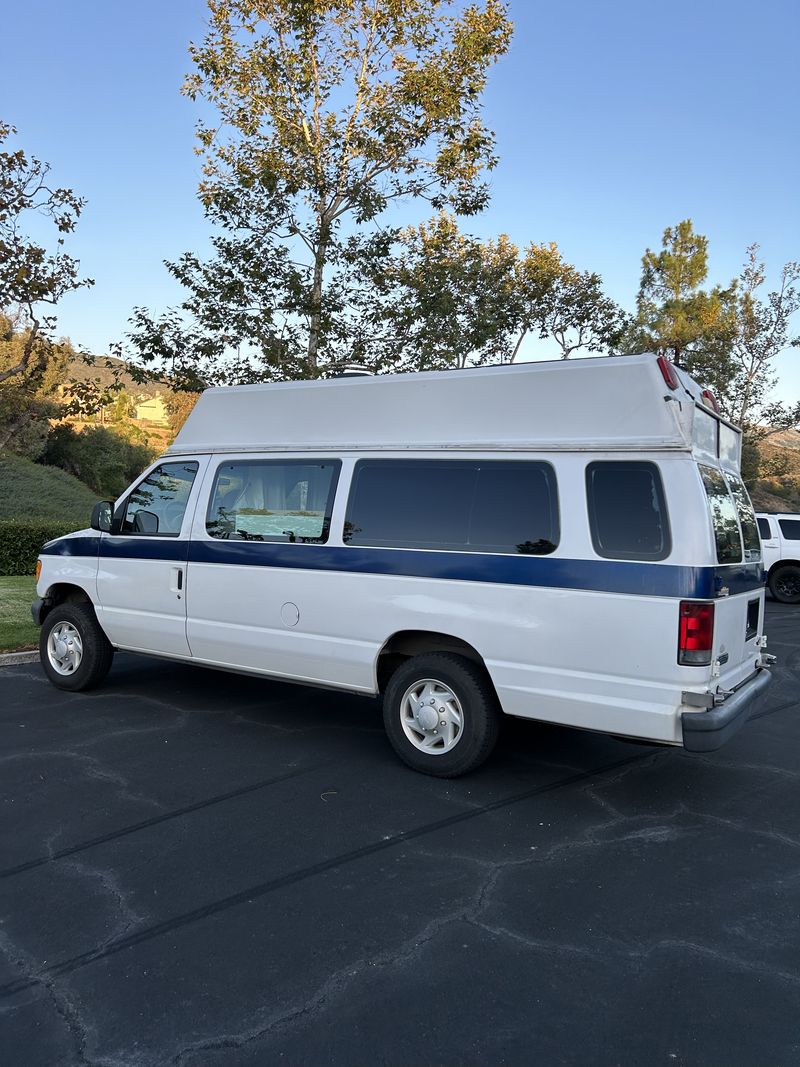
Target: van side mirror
{"x": 101, "y": 516}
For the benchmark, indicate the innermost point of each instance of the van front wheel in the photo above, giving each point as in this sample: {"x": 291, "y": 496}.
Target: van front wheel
{"x": 75, "y": 652}
{"x": 441, "y": 714}
{"x": 784, "y": 584}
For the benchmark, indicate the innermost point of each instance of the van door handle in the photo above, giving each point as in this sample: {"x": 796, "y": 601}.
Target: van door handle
{"x": 176, "y": 581}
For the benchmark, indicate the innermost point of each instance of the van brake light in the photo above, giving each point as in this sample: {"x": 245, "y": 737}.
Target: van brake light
{"x": 695, "y": 633}
{"x": 668, "y": 372}
{"x": 710, "y": 400}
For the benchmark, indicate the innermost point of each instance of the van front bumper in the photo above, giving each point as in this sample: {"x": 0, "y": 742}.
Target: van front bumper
{"x": 38, "y": 611}
{"x": 704, "y": 731}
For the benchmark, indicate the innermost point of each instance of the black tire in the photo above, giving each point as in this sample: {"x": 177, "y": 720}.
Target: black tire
{"x": 96, "y": 654}
{"x": 784, "y": 583}
{"x": 476, "y": 701}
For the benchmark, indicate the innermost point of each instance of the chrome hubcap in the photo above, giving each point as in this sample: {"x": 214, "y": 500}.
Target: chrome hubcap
{"x": 64, "y": 648}
{"x": 431, "y": 716}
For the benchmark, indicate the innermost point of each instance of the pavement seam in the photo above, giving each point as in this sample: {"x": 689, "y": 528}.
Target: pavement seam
{"x": 262, "y": 889}
{"x": 103, "y": 839}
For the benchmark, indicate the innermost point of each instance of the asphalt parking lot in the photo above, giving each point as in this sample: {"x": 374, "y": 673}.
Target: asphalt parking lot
{"x": 203, "y": 869}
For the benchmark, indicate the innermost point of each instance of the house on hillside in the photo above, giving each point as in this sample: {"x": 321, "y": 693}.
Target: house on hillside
{"x": 152, "y": 409}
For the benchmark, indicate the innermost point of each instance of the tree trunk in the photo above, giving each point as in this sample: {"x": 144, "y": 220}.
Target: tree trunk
{"x": 745, "y": 405}
{"x": 315, "y": 318}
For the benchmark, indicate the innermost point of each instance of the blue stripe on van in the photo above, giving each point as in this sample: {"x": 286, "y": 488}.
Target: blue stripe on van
{"x": 609, "y": 576}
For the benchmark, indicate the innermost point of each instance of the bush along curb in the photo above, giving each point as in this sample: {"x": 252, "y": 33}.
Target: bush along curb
{"x": 21, "y": 540}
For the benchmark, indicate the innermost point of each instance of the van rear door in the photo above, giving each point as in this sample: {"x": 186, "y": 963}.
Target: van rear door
{"x": 739, "y": 578}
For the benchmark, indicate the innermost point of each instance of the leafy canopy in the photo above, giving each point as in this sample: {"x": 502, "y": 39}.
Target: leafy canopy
{"x": 32, "y": 278}
{"x": 676, "y": 317}
{"x": 762, "y": 332}
{"x": 326, "y": 112}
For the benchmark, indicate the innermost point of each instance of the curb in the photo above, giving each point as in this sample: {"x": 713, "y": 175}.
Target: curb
{"x": 10, "y": 659}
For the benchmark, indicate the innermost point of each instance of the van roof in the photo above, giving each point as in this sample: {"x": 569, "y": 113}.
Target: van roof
{"x": 603, "y": 403}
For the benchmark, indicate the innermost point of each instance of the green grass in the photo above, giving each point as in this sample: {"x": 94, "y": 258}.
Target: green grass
{"x": 29, "y": 490}
{"x": 17, "y": 630}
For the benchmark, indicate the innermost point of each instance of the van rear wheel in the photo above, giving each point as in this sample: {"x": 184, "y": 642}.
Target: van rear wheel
{"x": 784, "y": 584}
{"x": 75, "y": 652}
{"x": 441, "y": 714}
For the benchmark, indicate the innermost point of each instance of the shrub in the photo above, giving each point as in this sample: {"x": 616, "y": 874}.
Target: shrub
{"x": 20, "y": 542}
{"x": 100, "y": 457}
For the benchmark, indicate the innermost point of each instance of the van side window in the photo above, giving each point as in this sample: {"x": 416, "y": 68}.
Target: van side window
{"x": 156, "y": 507}
{"x": 263, "y": 500}
{"x": 747, "y": 519}
{"x": 460, "y": 506}
{"x": 790, "y": 528}
{"x": 764, "y": 530}
{"x": 627, "y": 511}
{"x": 724, "y": 517}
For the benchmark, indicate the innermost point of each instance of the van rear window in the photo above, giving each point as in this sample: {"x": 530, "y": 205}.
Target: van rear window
{"x": 747, "y": 520}
{"x": 627, "y": 511}
{"x": 724, "y": 518}
{"x": 462, "y": 506}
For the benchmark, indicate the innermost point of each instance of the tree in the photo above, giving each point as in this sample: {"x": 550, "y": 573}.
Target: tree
{"x": 677, "y": 318}
{"x": 33, "y": 279}
{"x": 101, "y": 457}
{"x": 123, "y": 408}
{"x": 762, "y": 333}
{"x": 328, "y": 111}
{"x": 180, "y": 405}
{"x": 559, "y": 301}
{"x": 446, "y": 299}
{"x": 29, "y": 398}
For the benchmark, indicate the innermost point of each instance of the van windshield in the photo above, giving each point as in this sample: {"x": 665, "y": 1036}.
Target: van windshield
{"x": 724, "y": 516}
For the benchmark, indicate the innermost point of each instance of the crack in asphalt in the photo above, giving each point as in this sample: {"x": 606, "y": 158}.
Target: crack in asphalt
{"x": 262, "y": 889}
{"x": 144, "y": 824}
{"x": 261, "y": 1026}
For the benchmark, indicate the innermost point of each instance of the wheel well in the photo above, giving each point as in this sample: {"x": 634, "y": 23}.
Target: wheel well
{"x": 776, "y": 566}
{"x": 62, "y": 593}
{"x": 406, "y": 643}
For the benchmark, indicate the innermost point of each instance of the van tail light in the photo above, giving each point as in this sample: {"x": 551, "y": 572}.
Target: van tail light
{"x": 710, "y": 400}
{"x": 695, "y": 633}
{"x": 668, "y": 372}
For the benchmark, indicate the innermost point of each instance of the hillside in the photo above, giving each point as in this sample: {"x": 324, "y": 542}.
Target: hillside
{"x": 81, "y": 371}
{"x": 778, "y": 488}
{"x": 29, "y": 490}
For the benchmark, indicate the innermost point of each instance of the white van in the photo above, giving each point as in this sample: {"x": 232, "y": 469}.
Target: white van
{"x": 780, "y": 541}
{"x": 569, "y": 542}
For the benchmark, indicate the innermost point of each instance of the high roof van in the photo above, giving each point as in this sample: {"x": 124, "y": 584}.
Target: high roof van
{"x": 568, "y": 542}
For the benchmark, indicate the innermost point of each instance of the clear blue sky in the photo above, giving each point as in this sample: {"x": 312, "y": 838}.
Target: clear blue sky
{"x": 613, "y": 121}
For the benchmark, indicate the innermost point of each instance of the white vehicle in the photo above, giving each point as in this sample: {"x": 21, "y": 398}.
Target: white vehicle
{"x": 569, "y": 542}
{"x": 780, "y": 541}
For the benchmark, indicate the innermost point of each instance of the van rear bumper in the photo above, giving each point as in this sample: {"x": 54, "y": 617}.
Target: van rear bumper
{"x": 704, "y": 731}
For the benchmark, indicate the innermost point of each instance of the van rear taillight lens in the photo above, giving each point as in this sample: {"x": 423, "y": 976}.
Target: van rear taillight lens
{"x": 695, "y": 633}
{"x": 710, "y": 400}
{"x": 668, "y": 372}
